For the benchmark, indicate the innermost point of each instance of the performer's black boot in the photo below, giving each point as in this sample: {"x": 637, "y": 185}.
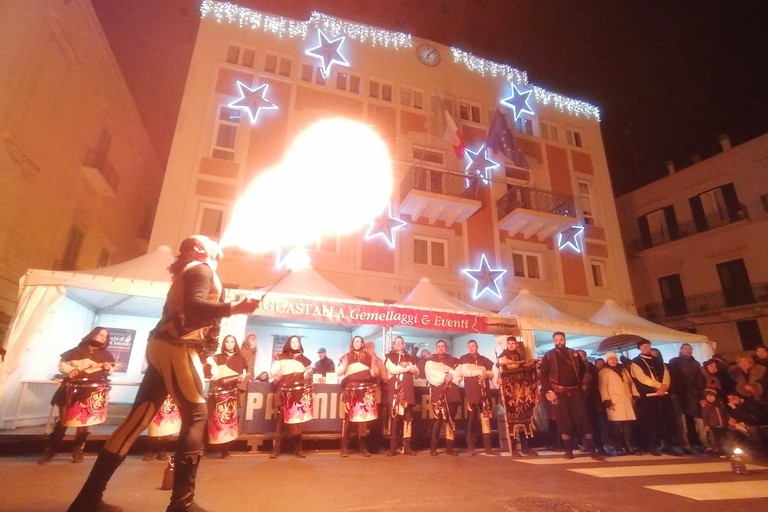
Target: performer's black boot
{"x": 488, "y": 446}
{"x": 433, "y": 439}
{"x": 79, "y": 444}
{"x": 361, "y": 438}
{"x": 297, "y": 446}
{"x": 449, "y": 447}
{"x": 225, "y": 451}
{"x": 471, "y": 444}
{"x": 183, "y": 495}
{"x": 407, "y": 446}
{"x": 568, "y": 447}
{"x": 89, "y": 498}
{"x": 393, "y": 430}
{"x": 278, "y": 440}
{"x": 54, "y": 441}
{"x": 525, "y": 447}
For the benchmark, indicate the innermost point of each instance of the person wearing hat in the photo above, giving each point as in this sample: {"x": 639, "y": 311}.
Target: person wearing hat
{"x": 185, "y": 337}
{"x": 324, "y": 364}
{"x": 655, "y": 412}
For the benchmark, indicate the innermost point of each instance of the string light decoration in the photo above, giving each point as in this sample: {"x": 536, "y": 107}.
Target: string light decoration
{"x": 485, "y": 278}
{"x": 385, "y": 225}
{"x": 252, "y": 100}
{"x": 225, "y": 12}
{"x": 570, "y": 238}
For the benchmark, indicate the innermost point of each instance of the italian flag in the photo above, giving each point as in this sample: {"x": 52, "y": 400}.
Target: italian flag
{"x": 445, "y": 127}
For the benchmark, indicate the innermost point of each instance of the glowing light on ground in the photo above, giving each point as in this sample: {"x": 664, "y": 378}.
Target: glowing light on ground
{"x": 335, "y": 179}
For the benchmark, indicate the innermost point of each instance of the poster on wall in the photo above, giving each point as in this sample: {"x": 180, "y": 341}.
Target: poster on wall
{"x": 120, "y": 346}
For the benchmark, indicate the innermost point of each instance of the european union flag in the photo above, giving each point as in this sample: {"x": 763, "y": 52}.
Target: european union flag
{"x": 500, "y": 139}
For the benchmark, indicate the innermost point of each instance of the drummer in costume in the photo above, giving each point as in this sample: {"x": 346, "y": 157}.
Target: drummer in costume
{"x": 401, "y": 395}
{"x": 90, "y": 362}
{"x": 184, "y": 338}
{"x": 359, "y": 393}
{"x": 518, "y": 384}
{"x": 476, "y": 371}
{"x": 443, "y": 377}
{"x": 231, "y": 375}
{"x": 292, "y": 381}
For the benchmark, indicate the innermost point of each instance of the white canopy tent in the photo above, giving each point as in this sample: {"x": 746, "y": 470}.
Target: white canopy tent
{"x": 667, "y": 340}
{"x": 538, "y": 320}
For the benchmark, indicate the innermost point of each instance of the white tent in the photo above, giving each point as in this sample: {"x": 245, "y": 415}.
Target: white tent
{"x": 425, "y": 294}
{"x": 538, "y": 320}
{"x": 55, "y": 304}
{"x": 627, "y": 322}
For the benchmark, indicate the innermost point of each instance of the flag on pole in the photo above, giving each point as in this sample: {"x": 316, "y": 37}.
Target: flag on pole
{"x": 500, "y": 139}
{"x": 445, "y": 127}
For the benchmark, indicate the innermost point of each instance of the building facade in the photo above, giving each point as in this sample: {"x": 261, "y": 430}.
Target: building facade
{"x": 79, "y": 180}
{"x": 695, "y": 246}
{"x": 528, "y": 205}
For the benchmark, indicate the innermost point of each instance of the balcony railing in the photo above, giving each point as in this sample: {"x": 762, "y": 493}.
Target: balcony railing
{"x": 708, "y": 302}
{"x": 535, "y": 200}
{"x": 686, "y": 229}
{"x": 436, "y": 181}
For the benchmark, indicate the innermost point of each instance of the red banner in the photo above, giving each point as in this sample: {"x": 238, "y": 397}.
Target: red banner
{"x": 391, "y": 316}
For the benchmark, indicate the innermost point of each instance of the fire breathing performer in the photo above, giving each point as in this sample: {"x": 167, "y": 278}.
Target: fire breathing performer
{"x": 476, "y": 370}
{"x": 444, "y": 394}
{"x": 292, "y": 381}
{"x": 359, "y": 394}
{"x": 185, "y": 336}
{"x": 518, "y": 384}
{"x": 402, "y": 397}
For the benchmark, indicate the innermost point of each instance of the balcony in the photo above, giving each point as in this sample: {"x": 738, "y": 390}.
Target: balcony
{"x": 711, "y": 302}
{"x": 533, "y": 212}
{"x": 437, "y": 195}
{"x": 100, "y": 172}
{"x": 686, "y": 229}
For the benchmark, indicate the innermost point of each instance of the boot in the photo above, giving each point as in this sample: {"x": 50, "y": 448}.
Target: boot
{"x": 433, "y": 439}
{"x": 225, "y": 451}
{"x": 345, "y": 438}
{"x": 393, "y": 430}
{"x": 589, "y": 447}
{"x": 79, "y": 444}
{"x": 278, "y": 440}
{"x": 525, "y": 447}
{"x": 568, "y": 447}
{"x": 361, "y": 438}
{"x": 449, "y": 448}
{"x": 183, "y": 495}
{"x": 89, "y": 498}
{"x": 54, "y": 440}
{"x": 488, "y": 447}
{"x": 471, "y": 444}
{"x": 297, "y": 446}
{"x": 407, "y": 446}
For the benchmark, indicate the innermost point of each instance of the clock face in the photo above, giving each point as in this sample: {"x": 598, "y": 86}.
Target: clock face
{"x": 428, "y": 54}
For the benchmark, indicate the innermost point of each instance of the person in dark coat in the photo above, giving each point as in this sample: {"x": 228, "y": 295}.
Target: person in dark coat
{"x": 686, "y": 390}
{"x": 443, "y": 376}
{"x": 90, "y": 362}
{"x": 476, "y": 371}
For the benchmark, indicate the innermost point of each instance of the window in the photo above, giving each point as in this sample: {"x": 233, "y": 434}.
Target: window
{"x": 585, "y": 194}
{"x": 72, "y": 249}
{"x": 210, "y": 221}
{"x": 429, "y": 251}
{"x": 573, "y": 137}
{"x": 735, "y": 283}
{"x": 241, "y": 56}
{"x": 715, "y": 208}
{"x": 227, "y": 124}
{"x": 411, "y": 98}
{"x": 380, "y": 90}
{"x": 319, "y": 76}
{"x": 524, "y": 125}
{"x": 749, "y": 334}
{"x": 549, "y": 132}
{"x": 306, "y": 72}
{"x": 347, "y": 82}
{"x": 421, "y": 154}
{"x": 658, "y": 227}
{"x": 469, "y": 111}
{"x": 526, "y": 264}
{"x": 672, "y": 295}
{"x": 277, "y": 65}
{"x": 598, "y": 273}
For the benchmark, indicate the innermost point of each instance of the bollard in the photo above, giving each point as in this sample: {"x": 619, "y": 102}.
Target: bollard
{"x": 167, "y": 484}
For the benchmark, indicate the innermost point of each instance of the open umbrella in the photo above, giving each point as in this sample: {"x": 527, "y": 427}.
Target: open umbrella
{"x": 619, "y": 342}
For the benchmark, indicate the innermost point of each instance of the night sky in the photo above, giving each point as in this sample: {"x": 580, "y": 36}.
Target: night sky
{"x": 668, "y": 76}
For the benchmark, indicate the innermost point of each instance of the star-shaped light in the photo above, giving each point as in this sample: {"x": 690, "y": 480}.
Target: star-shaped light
{"x": 252, "y": 100}
{"x": 518, "y": 102}
{"x": 486, "y": 278}
{"x": 570, "y": 237}
{"x": 479, "y": 165}
{"x": 385, "y": 225}
{"x": 328, "y": 51}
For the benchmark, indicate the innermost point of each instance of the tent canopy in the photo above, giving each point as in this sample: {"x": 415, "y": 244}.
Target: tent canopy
{"x": 426, "y": 295}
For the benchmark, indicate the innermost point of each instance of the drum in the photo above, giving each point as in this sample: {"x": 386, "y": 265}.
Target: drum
{"x": 85, "y": 402}
{"x": 297, "y": 402}
{"x": 222, "y": 415}
{"x": 362, "y": 402}
{"x": 167, "y": 420}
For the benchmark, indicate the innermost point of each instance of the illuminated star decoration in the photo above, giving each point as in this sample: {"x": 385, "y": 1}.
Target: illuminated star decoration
{"x": 518, "y": 102}
{"x": 385, "y": 225}
{"x": 570, "y": 237}
{"x": 479, "y": 164}
{"x": 329, "y": 52}
{"x": 252, "y": 100}
{"x": 486, "y": 278}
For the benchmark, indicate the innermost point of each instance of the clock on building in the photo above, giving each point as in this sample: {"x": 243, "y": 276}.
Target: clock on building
{"x": 428, "y": 54}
